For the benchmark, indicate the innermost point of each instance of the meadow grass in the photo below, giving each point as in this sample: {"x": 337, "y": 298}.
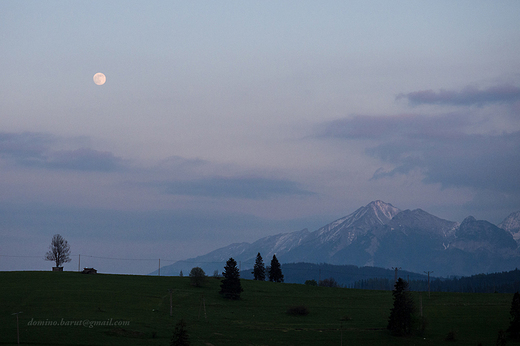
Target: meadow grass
{"x": 336, "y": 315}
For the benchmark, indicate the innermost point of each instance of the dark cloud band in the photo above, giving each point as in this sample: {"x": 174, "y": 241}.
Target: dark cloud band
{"x": 35, "y": 150}
{"x": 466, "y": 97}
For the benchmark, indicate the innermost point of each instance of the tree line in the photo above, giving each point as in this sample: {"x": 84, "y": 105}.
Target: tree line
{"x": 230, "y": 286}
{"x": 505, "y": 282}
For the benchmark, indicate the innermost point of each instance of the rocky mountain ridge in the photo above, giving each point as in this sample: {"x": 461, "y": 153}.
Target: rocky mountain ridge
{"x": 382, "y": 235}
{"x": 512, "y": 225}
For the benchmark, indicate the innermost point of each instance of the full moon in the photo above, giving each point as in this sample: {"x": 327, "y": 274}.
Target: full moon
{"x": 100, "y": 78}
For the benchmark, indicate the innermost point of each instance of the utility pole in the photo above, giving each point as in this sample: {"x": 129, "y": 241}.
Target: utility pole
{"x": 171, "y": 305}
{"x": 428, "y": 272}
{"x": 159, "y": 267}
{"x": 396, "y": 269}
{"x": 17, "y": 327}
{"x": 341, "y": 335}
{"x": 203, "y": 304}
{"x": 420, "y": 303}
{"x": 79, "y": 263}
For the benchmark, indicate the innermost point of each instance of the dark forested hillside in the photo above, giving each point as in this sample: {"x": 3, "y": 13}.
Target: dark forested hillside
{"x": 374, "y": 278}
{"x": 345, "y": 275}
{"x": 505, "y": 282}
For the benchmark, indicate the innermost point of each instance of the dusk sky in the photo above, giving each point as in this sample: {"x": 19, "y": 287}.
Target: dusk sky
{"x": 227, "y": 121}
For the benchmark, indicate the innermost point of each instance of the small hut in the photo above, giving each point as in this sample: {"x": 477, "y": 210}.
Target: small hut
{"x": 89, "y": 271}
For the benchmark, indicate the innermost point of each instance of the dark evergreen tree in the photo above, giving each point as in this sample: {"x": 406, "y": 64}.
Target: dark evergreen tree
{"x": 275, "y": 271}
{"x": 401, "y": 318}
{"x": 514, "y": 325}
{"x": 259, "y": 269}
{"x": 230, "y": 286}
{"x": 180, "y": 335}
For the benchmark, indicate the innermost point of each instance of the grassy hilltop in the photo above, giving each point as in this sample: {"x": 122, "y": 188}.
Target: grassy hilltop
{"x": 354, "y": 317}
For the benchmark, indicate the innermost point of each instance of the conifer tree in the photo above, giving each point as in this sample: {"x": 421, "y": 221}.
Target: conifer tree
{"x": 259, "y": 268}
{"x": 180, "y": 335}
{"x": 230, "y": 286}
{"x": 401, "y": 318}
{"x": 514, "y": 325}
{"x": 275, "y": 271}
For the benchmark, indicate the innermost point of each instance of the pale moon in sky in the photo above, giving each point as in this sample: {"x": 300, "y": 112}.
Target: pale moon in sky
{"x": 100, "y": 78}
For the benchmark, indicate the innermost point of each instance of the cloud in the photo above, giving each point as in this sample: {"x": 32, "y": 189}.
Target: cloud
{"x": 466, "y": 97}
{"x": 25, "y": 146}
{"x": 398, "y": 126}
{"x": 438, "y": 146}
{"x": 246, "y": 188}
{"x": 35, "y": 150}
{"x": 475, "y": 160}
{"x": 84, "y": 159}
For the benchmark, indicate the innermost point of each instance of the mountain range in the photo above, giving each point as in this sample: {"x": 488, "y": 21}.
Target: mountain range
{"x": 382, "y": 235}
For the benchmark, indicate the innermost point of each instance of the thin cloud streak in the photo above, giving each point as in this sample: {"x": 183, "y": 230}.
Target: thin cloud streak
{"x": 245, "y": 188}
{"x": 361, "y": 127}
{"x": 466, "y": 97}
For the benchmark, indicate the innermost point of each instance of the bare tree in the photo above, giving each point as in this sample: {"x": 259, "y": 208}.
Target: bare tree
{"x": 59, "y": 251}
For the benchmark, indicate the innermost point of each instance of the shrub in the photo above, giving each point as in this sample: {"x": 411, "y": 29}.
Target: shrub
{"x": 311, "y": 283}
{"x": 451, "y": 336}
{"x": 299, "y": 310}
{"x": 331, "y": 282}
{"x": 197, "y": 277}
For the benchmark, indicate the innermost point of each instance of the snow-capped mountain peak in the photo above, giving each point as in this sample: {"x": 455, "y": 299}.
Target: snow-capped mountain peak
{"x": 383, "y": 211}
{"x": 512, "y": 225}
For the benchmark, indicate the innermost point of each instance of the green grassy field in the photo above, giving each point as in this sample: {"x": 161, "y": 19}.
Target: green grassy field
{"x": 337, "y": 316}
